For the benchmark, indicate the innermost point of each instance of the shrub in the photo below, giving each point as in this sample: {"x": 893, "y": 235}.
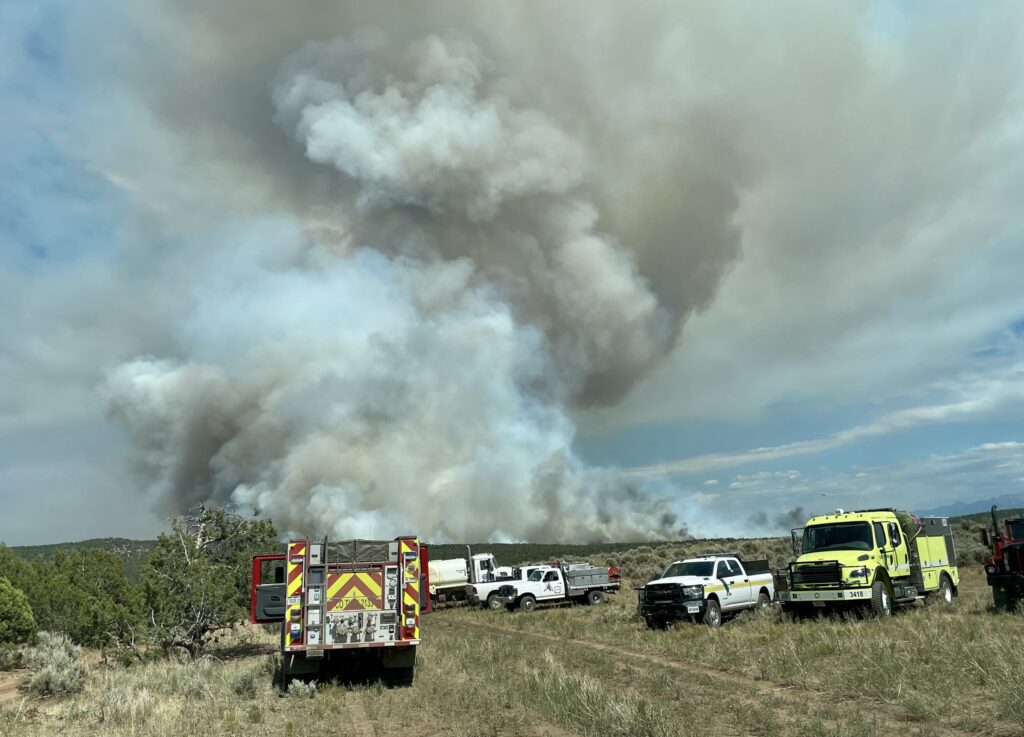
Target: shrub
{"x": 10, "y": 658}
{"x": 55, "y": 667}
{"x": 299, "y": 690}
{"x": 244, "y": 684}
{"x": 17, "y": 625}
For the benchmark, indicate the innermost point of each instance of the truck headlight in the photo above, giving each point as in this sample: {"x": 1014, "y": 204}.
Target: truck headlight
{"x": 859, "y": 573}
{"x": 990, "y": 570}
{"x": 641, "y": 594}
{"x": 693, "y": 592}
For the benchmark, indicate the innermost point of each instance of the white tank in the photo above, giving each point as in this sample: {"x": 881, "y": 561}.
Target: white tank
{"x": 446, "y": 574}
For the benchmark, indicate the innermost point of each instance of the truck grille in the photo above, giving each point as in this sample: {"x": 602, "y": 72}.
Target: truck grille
{"x": 813, "y": 574}
{"x": 664, "y": 593}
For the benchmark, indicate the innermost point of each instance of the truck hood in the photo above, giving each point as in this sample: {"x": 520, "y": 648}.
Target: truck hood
{"x": 845, "y": 557}
{"x": 684, "y": 580}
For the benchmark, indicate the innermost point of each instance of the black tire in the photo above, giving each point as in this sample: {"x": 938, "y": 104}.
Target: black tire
{"x": 944, "y": 595}
{"x": 493, "y": 602}
{"x": 713, "y": 614}
{"x": 763, "y": 600}
{"x": 399, "y": 677}
{"x": 595, "y": 597}
{"x": 528, "y": 603}
{"x": 881, "y": 599}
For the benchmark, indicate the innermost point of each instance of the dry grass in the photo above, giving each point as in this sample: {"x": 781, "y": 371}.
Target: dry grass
{"x": 592, "y": 671}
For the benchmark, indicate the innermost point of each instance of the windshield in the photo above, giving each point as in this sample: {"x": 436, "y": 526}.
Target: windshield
{"x": 690, "y": 568}
{"x": 1016, "y": 530}
{"x": 537, "y": 575}
{"x": 840, "y": 536}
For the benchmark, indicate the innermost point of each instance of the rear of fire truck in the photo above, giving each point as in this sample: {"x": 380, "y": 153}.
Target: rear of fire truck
{"x": 347, "y": 609}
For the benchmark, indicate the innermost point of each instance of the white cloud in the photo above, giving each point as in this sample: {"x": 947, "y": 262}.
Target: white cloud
{"x": 979, "y": 396}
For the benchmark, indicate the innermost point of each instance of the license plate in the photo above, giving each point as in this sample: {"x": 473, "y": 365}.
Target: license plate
{"x": 693, "y": 610}
{"x": 819, "y": 604}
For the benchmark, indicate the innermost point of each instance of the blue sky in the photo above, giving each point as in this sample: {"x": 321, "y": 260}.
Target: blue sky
{"x": 864, "y": 346}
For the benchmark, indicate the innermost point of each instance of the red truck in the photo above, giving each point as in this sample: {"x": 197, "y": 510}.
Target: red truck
{"x": 1005, "y": 567}
{"x": 345, "y": 607}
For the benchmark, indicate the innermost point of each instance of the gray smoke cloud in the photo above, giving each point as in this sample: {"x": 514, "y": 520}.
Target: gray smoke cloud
{"x": 456, "y": 263}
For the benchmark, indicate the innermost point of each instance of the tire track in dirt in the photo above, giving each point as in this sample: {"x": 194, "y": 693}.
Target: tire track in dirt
{"x": 893, "y": 717}
{"x": 358, "y": 718}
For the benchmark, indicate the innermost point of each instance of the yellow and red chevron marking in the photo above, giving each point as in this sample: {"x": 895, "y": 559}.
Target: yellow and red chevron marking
{"x": 296, "y": 561}
{"x": 409, "y": 550}
{"x": 355, "y": 591}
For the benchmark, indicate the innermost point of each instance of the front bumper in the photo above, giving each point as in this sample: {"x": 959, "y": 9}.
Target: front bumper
{"x": 670, "y": 611}
{"x": 824, "y": 595}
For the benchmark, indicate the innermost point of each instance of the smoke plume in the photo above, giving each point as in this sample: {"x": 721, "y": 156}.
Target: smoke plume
{"x": 454, "y": 265}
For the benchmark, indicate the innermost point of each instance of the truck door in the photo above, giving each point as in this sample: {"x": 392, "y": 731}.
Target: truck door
{"x": 267, "y": 595}
{"x": 737, "y": 590}
{"x": 553, "y": 586}
{"x": 901, "y": 551}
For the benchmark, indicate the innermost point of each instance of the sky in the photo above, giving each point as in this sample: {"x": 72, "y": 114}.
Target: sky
{"x": 507, "y": 273}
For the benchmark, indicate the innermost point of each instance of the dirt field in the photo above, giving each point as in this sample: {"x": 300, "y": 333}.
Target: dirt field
{"x": 592, "y": 671}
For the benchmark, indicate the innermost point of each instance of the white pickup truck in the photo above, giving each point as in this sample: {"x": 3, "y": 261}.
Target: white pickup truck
{"x": 489, "y": 592}
{"x": 705, "y": 588}
{"x": 579, "y": 582}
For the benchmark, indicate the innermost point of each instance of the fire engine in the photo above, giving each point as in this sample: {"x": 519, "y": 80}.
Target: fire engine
{"x": 1005, "y": 567}
{"x": 344, "y": 607}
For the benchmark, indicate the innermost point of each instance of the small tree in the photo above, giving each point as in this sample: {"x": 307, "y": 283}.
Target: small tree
{"x": 17, "y": 625}
{"x": 98, "y": 605}
{"x": 196, "y": 580}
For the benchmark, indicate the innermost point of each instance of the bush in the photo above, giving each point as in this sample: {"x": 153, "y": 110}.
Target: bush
{"x": 10, "y": 658}
{"x": 245, "y": 684}
{"x": 299, "y": 690}
{"x": 17, "y": 626}
{"x": 55, "y": 667}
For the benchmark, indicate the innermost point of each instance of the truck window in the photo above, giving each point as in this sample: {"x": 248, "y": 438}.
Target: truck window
{"x": 536, "y": 575}
{"x": 726, "y": 568}
{"x": 838, "y": 536}
{"x": 880, "y": 540}
{"x": 551, "y": 576}
{"x": 702, "y": 568}
{"x": 271, "y": 571}
{"x": 1016, "y": 530}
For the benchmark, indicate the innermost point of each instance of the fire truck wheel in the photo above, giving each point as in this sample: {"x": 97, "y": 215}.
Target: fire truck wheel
{"x": 944, "y": 595}
{"x": 528, "y": 603}
{"x": 493, "y": 602}
{"x": 595, "y": 597}
{"x": 399, "y": 677}
{"x": 763, "y": 600}
{"x": 881, "y": 600}
{"x": 713, "y": 614}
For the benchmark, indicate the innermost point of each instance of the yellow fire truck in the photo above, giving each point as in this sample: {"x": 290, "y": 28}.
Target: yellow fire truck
{"x": 344, "y": 607}
{"x": 871, "y": 558}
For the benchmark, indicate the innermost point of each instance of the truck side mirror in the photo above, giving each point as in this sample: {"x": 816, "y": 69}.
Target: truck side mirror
{"x": 894, "y": 534}
{"x": 986, "y": 539}
{"x": 795, "y": 535}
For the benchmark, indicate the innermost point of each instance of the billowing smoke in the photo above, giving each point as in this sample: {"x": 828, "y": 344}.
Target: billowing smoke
{"x": 443, "y": 163}
{"x": 780, "y": 521}
{"x": 402, "y": 346}
{"x": 362, "y": 395}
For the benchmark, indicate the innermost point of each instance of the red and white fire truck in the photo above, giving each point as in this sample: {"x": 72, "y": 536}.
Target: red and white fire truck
{"x": 344, "y": 606}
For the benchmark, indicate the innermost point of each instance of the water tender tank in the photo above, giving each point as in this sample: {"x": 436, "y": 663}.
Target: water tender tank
{"x": 447, "y": 573}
